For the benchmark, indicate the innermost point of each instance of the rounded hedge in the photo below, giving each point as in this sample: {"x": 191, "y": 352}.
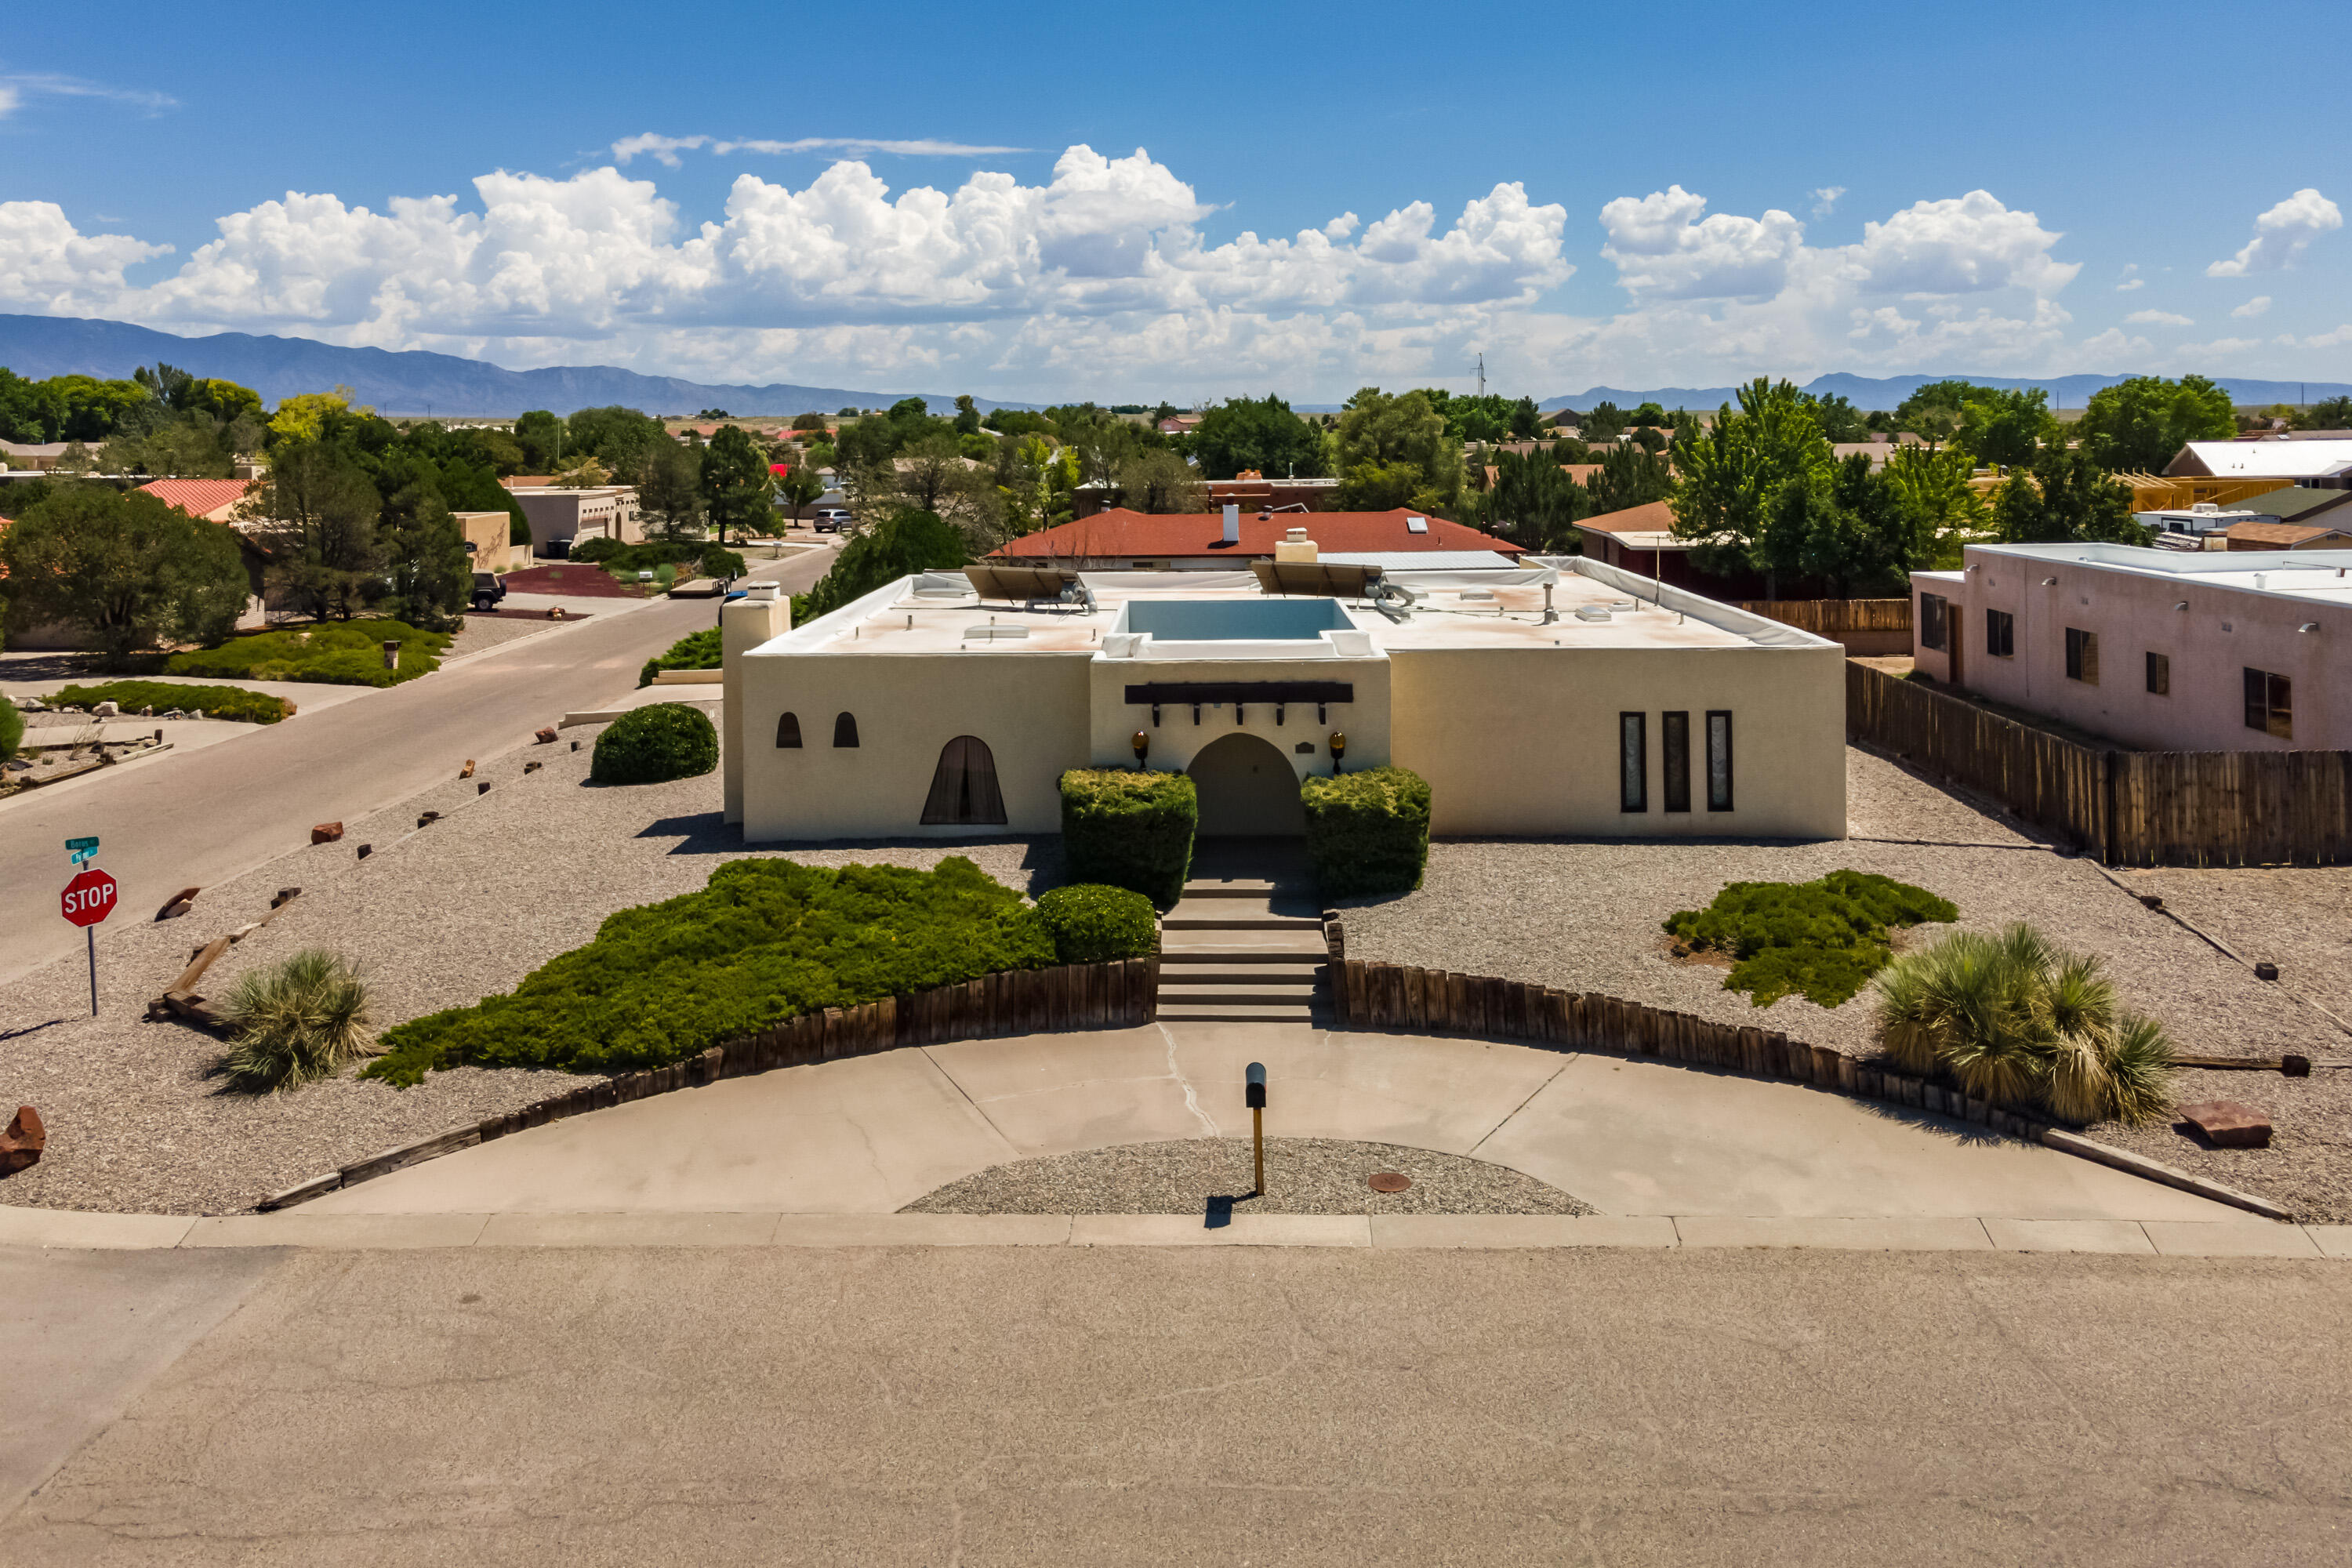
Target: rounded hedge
{"x": 654, "y": 744}
{"x": 1095, "y": 924}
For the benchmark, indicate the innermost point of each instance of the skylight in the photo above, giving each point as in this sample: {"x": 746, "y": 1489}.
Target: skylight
{"x": 1416, "y": 525}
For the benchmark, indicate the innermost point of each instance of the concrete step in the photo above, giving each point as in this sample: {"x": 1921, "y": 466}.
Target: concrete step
{"x": 1237, "y": 1012}
{"x": 1238, "y": 914}
{"x": 1235, "y": 996}
{"x": 1237, "y": 889}
{"x": 1242, "y": 970}
{"x": 1242, "y": 946}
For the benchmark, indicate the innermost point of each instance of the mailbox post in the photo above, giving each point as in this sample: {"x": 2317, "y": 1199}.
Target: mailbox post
{"x": 1253, "y": 1094}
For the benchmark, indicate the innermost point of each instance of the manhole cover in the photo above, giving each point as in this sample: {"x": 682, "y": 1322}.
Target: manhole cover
{"x": 1389, "y": 1181}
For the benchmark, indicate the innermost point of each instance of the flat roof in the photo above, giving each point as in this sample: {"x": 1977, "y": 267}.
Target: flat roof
{"x": 2321, "y": 576}
{"x": 1455, "y": 610}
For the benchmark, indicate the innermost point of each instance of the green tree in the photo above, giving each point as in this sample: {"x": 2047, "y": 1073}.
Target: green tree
{"x": 736, "y": 482}
{"x": 126, "y": 569}
{"x": 670, "y": 491}
{"x": 1380, "y": 434}
{"x": 1933, "y": 490}
{"x": 2139, "y": 426}
{"x": 423, "y": 552}
{"x": 1628, "y": 477}
{"x": 2328, "y": 414}
{"x": 1159, "y": 481}
{"x": 967, "y": 416}
{"x": 905, "y": 542}
{"x": 2005, "y": 427}
{"x": 32, "y": 411}
{"x": 1604, "y": 422}
{"x": 1534, "y": 503}
{"x": 623, "y": 440}
{"x": 316, "y": 519}
{"x": 1259, "y": 433}
{"x": 799, "y": 489}
{"x": 816, "y": 422}
{"x": 1845, "y": 525}
{"x": 541, "y": 434}
{"x": 2065, "y": 498}
{"x": 1839, "y": 420}
{"x": 1732, "y": 475}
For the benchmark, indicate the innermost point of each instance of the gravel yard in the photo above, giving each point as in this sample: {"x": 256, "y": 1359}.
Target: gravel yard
{"x": 1586, "y": 916}
{"x": 480, "y": 633}
{"x": 1303, "y": 1175}
{"x": 438, "y": 918}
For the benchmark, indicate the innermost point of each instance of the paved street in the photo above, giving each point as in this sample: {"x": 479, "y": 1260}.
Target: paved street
{"x": 200, "y": 817}
{"x": 1168, "y": 1406}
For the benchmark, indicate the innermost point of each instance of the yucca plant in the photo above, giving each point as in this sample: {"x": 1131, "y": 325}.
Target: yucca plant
{"x": 298, "y": 1021}
{"x": 2015, "y": 1020}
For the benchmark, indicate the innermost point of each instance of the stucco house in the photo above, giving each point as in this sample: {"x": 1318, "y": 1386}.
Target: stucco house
{"x": 2206, "y": 650}
{"x": 1546, "y": 698}
{"x": 1121, "y": 539}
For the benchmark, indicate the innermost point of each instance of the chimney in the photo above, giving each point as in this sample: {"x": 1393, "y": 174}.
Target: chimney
{"x": 1232, "y": 522}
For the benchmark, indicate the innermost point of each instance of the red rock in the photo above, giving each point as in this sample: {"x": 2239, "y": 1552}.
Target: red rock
{"x": 22, "y": 1143}
{"x": 2228, "y": 1125}
{"x": 547, "y": 737}
{"x": 326, "y": 832}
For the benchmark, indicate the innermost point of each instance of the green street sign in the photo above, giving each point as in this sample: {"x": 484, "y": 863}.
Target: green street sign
{"x": 82, "y": 843}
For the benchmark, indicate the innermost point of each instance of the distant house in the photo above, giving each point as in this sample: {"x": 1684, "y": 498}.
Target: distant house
{"x": 2322, "y": 464}
{"x": 1250, "y": 492}
{"x": 1120, "y": 539}
{"x": 214, "y": 501}
{"x": 2276, "y": 535}
{"x": 41, "y": 456}
{"x": 607, "y": 512}
{"x": 1180, "y": 424}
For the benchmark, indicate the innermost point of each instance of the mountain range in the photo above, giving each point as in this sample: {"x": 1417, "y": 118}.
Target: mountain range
{"x": 1888, "y": 392}
{"x": 408, "y": 382}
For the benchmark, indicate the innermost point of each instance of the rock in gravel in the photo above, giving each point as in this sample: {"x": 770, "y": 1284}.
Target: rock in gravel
{"x": 326, "y": 832}
{"x": 22, "y": 1143}
{"x": 2228, "y": 1125}
{"x": 546, "y": 737}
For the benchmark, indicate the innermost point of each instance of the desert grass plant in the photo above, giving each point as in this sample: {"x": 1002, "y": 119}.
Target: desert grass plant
{"x": 2017, "y": 1021}
{"x": 296, "y": 1022}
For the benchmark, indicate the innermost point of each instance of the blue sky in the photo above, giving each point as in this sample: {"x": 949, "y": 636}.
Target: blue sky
{"x": 1195, "y": 201}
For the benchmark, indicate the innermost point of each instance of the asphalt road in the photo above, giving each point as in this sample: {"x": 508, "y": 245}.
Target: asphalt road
{"x": 200, "y": 818}
{"x": 1177, "y": 1406}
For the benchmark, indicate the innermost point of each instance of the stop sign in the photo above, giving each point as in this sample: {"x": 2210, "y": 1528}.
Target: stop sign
{"x": 88, "y": 897}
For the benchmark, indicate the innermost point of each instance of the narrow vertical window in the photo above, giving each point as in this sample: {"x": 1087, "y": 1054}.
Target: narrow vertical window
{"x": 1674, "y": 746}
{"x": 2270, "y": 704}
{"x": 845, "y": 729}
{"x": 2081, "y": 656}
{"x": 1718, "y": 759}
{"x": 2160, "y": 675}
{"x": 1931, "y": 620}
{"x": 1633, "y": 761}
{"x": 2001, "y": 634}
{"x": 788, "y": 733}
{"x": 963, "y": 786}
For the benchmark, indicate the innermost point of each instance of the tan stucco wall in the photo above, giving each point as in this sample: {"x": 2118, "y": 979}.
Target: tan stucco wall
{"x": 1030, "y": 709}
{"x": 1177, "y": 739}
{"x": 1524, "y": 741}
{"x": 488, "y": 533}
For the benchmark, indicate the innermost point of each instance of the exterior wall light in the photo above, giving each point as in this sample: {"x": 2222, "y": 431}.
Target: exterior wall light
{"x": 1142, "y": 745}
{"x": 2182, "y": 607}
{"x": 2308, "y": 627}
{"x": 1338, "y": 750}
{"x": 2049, "y": 581}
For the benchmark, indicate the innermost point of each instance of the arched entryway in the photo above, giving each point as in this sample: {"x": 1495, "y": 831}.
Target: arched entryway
{"x": 1248, "y": 789}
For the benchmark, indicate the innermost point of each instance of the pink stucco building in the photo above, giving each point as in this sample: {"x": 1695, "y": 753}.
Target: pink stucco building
{"x": 2160, "y": 649}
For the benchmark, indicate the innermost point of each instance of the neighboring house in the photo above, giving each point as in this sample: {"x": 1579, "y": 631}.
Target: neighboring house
{"x": 487, "y": 540}
{"x": 1641, "y": 539}
{"x": 1878, "y": 448}
{"x": 1120, "y": 539}
{"x": 1250, "y": 492}
{"x": 214, "y": 501}
{"x": 2272, "y": 534}
{"x": 608, "y": 511}
{"x": 926, "y": 710}
{"x": 2165, "y": 650}
{"x": 2201, "y": 524}
{"x": 38, "y": 456}
{"x": 2296, "y": 504}
{"x": 1180, "y": 424}
{"x": 2324, "y": 464}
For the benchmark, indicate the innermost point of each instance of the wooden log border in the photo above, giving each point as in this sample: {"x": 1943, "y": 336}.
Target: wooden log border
{"x": 1114, "y": 996}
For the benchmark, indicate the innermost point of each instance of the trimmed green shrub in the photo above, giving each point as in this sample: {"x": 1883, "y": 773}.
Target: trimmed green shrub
{"x": 232, "y": 703}
{"x": 765, "y": 941}
{"x": 341, "y": 653}
{"x": 1095, "y": 924}
{"x": 719, "y": 563}
{"x": 696, "y": 650}
{"x": 596, "y": 548}
{"x": 2016, "y": 1021}
{"x": 1127, "y": 828}
{"x": 12, "y": 728}
{"x": 1367, "y": 832}
{"x": 653, "y": 744}
{"x": 1821, "y": 941}
{"x": 295, "y": 1022}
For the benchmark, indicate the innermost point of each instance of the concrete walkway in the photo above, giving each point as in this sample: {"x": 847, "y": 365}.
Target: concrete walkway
{"x": 871, "y": 1134}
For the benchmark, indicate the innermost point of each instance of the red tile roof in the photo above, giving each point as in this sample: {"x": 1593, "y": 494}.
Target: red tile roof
{"x": 199, "y": 498}
{"x": 1656, "y": 517}
{"x": 1145, "y": 536}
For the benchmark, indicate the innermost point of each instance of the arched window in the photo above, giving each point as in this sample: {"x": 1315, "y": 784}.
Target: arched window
{"x": 788, "y": 733}
{"x": 963, "y": 787}
{"x": 845, "y": 729}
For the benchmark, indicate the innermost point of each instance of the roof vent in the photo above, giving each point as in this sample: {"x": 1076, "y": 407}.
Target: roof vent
{"x": 1416, "y": 525}
{"x": 994, "y": 633}
{"x": 1592, "y": 612}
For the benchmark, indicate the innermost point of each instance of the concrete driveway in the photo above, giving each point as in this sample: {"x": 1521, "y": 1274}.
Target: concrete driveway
{"x": 871, "y": 1134}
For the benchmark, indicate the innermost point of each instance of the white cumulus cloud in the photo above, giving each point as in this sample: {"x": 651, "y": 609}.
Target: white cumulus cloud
{"x": 1825, "y": 199}
{"x": 2282, "y": 235}
{"x": 2254, "y": 307}
{"x": 2161, "y": 319}
{"x": 665, "y": 149}
{"x": 1665, "y": 250}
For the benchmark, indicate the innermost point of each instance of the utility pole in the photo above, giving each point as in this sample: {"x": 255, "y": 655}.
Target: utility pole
{"x": 1482, "y": 372}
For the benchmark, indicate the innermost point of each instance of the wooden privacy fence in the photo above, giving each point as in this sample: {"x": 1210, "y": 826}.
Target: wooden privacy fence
{"x": 1373, "y": 996}
{"x": 1112, "y": 996}
{"x": 1863, "y": 626}
{"x": 2131, "y": 808}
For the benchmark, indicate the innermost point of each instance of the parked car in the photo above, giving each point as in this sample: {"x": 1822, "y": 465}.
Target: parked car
{"x": 831, "y": 520}
{"x": 488, "y": 589}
